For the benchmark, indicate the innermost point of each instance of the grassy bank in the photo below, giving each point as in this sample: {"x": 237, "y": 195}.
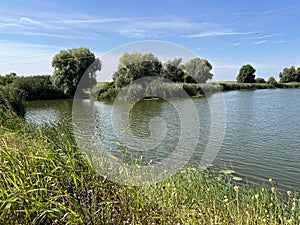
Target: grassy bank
{"x": 45, "y": 180}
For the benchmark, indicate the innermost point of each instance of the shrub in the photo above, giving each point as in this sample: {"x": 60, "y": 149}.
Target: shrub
{"x": 260, "y": 80}
{"x": 37, "y": 87}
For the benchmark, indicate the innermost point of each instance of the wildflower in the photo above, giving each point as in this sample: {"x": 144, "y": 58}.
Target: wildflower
{"x": 270, "y": 180}
{"x": 225, "y": 200}
{"x": 256, "y": 196}
{"x": 90, "y": 191}
{"x": 236, "y": 188}
{"x": 289, "y": 193}
{"x": 273, "y": 190}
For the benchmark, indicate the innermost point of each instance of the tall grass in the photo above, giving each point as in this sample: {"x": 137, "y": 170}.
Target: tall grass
{"x": 46, "y": 180}
{"x": 11, "y": 101}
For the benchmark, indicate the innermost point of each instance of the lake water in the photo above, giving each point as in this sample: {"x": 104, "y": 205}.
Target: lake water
{"x": 262, "y": 135}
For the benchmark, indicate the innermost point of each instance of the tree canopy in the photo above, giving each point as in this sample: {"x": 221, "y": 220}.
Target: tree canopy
{"x": 69, "y": 67}
{"x": 198, "y": 69}
{"x": 173, "y": 70}
{"x": 246, "y": 74}
{"x": 290, "y": 75}
{"x": 134, "y": 66}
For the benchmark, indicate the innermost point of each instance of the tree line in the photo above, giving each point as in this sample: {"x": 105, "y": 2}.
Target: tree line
{"x": 71, "y": 64}
{"x": 288, "y": 75}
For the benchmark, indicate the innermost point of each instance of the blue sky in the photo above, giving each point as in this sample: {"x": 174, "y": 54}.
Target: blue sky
{"x": 229, "y": 34}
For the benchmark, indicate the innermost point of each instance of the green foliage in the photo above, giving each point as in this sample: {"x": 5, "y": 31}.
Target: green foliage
{"x": 134, "y": 66}
{"x": 260, "y": 80}
{"x": 201, "y": 89}
{"x": 246, "y": 74}
{"x": 173, "y": 70}
{"x": 272, "y": 80}
{"x": 11, "y": 102}
{"x": 198, "y": 70}
{"x": 70, "y": 65}
{"x": 7, "y": 79}
{"x": 290, "y": 75}
{"x": 107, "y": 92}
{"x": 37, "y": 87}
{"x": 226, "y": 86}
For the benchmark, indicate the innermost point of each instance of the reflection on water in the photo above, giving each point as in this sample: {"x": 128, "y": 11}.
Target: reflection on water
{"x": 48, "y": 111}
{"x": 262, "y": 131}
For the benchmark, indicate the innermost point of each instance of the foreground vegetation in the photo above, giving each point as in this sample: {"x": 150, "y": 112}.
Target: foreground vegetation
{"x": 46, "y": 180}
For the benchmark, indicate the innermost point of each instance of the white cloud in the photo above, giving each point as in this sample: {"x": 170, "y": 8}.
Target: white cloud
{"x": 217, "y": 33}
{"x": 280, "y": 41}
{"x": 260, "y": 42}
{"x": 265, "y": 36}
{"x": 236, "y": 44}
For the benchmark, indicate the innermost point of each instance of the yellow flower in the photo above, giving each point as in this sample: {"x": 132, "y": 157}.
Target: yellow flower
{"x": 236, "y": 188}
{"x": 289, "y": 193}
{"x": 256, "y": 196}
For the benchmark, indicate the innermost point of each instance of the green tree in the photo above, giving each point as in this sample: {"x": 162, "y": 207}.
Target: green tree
{"x": 134, "y": 66}
{"x": 272, "y": 80}
{"x": 69, "y": 67}
{"x": 246, "y": 74}
{"x": 290, "y": 75}
{"x": 198, "y": 69}
{"x": 173, "y": 71}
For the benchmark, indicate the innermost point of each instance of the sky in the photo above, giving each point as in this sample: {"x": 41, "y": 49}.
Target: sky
{"x": 229, "y": 34}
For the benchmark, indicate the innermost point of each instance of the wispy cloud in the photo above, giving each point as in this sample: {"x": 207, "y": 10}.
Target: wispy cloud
{"x": 31, "y": 23}
{"x": 236, "y": 44}
{"x": 216, "y": 33}
{"x": 267, "y": 36}
{"x": 132, "y": 27}
{"x": 260, "y": 42}
{"x": 91, "y": 21}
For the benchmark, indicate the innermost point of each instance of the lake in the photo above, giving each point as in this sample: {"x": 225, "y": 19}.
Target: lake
{"x": 262, "y": 135}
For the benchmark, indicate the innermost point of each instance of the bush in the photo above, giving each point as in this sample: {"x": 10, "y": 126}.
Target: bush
{"x": 260, "y": 80}
{"x": 37, "y": 88}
